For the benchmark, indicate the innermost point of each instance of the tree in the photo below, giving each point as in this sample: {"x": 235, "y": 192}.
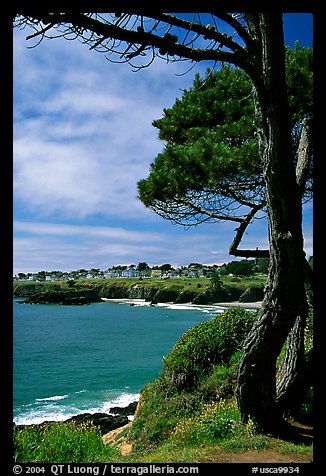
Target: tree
{"x": 210, "y": 170}
{"x": 216, "y": 284}
{"x": 262, "y": 265}
{"x": 166, "y": 267}
{"x": 259, "y": 51}
{"x": 142, "y": 266}
{"x": 240, "y": 268}
{"x": 41, "y": 275}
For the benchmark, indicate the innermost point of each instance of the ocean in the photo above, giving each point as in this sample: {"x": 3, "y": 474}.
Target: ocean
{"x": 75, "y": 359}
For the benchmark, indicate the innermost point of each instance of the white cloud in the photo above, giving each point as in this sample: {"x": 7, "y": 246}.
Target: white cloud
{"x": 82, "y": 139}
{"x": 86, "y": 231}
{"x": 83, "y": 133}
{"x": 65, "y": 247}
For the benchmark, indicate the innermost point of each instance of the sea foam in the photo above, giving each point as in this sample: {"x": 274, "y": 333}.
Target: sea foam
{"x": 46, "y": 409}
{"x": 52, "y": 399}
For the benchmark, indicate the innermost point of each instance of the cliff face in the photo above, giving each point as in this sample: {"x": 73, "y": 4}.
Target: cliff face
{"x": 124, "y": 292}
{"x": 62, "y": 297}
{"x": 88, "y": 292}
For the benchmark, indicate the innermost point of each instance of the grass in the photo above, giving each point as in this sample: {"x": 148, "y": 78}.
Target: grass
{"x": 60, "y": 443}
{"x": 212, "y": 434}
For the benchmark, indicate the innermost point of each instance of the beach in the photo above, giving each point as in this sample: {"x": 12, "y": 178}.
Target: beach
{"x": 218, "y": 306}
{"x": 245, "y": 305}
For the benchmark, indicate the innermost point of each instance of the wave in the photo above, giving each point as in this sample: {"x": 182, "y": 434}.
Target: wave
{"x": 53, "y": 408}
{"x": 52, "y": 399}
{"x": 122, "y": 401}
{"x": 192, "y": 307}
{"x": 168, "y": 305}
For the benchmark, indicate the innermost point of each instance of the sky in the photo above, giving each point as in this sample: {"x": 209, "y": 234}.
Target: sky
{"x": 83, "y": 138}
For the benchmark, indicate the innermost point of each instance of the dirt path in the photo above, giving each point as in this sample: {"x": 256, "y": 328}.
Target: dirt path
{"x": 263, "y": 456}
{"x": 118, "y": 438}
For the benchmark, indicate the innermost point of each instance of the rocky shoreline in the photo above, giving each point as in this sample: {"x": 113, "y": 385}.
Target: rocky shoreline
{"x": 116, "y": 418}
{"x": 151, "y": 295}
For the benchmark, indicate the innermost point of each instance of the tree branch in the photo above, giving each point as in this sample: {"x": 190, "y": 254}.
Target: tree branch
{"x": 233, "y": 250}
{"x": 238, "y": 27}
{"x": 81, "y": 22}
{"x": 202, "y": 211}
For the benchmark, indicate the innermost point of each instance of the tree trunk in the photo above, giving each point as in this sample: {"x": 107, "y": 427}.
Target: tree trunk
{"x": 256, "y": 383}
{"x": 291, "y": 369}
{"x": 291, "y": 387}
{"x": 294, "y": 376}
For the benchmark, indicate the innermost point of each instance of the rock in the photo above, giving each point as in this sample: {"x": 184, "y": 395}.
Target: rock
{"x": 115, "y": 292}
{"x": 129, "y": 410}
{"x": 119, "y": 439}
{"x": 63, "y": 297}
{"x": 164, "y": 295}
{"x": 252, "y": 294}
{"x": 185, "y": 296}
{"x": 103, "y": 420}
{"x": 106, "y": 422}
{"x": 205, "y": 297}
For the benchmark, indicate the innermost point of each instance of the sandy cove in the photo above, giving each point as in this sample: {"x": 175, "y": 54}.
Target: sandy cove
{"x": 214, "y": 306}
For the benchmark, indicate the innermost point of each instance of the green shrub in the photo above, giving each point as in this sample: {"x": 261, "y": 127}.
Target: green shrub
{"x": 59, "y": 443}
{"x": 214, "y": 421}
{"x": 235, "y": 280}
{"x": 200, "y": 370}
{"x": 306, "y": 409}
{"x": 203, "y": 346}
{"x": 220, "y": 383}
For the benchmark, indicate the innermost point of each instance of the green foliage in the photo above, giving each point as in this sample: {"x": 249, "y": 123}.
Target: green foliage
{"x": 59, "y": 443}
{"x": 306, "y": 410}
{"x": 299, "y": 78}
{"x": 262, "y": 265}
{"x": 243, "y": 267}
{"x": 203, "y": 346}
{"x": 210, "y": 164}
{"x": 216, "y": 284}
{"x": 199, "y": 371}
{"x": 209, "y": 136}
{"x": 220, "y": 382}
{"x": 221, "y": 98}
{"x": 214, "y": 421}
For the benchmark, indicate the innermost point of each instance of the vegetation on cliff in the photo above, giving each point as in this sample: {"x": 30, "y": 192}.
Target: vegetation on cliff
{"x": 178, "y": 290}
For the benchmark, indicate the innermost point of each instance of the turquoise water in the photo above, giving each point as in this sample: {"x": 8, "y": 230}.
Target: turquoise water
{"x": 74, "y": 359}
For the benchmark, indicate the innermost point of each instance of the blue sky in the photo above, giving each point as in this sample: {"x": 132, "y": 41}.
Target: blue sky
{"x": 82, "y": 139}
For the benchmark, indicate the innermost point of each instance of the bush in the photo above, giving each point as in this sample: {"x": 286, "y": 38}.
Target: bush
{"x": 214, "y": 421}
{"x": 203, "y": 346}
{"x": 59, "y": 443}
{"x": 219, "y": 384}
{"x": 252, "y": 294}
{"x": 200, "y": 370}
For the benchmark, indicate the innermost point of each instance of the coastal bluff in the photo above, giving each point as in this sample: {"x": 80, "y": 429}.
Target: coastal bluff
{"x": 116, "y": 418}
{"x": 155, "y": 291}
